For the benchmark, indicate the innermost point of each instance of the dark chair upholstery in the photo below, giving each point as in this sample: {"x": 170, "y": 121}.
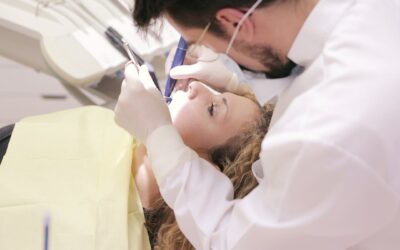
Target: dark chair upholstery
{"x": 5, "y": 135}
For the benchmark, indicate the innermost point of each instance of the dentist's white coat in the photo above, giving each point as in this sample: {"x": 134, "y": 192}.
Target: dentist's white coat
{"x": 330, "y": 165}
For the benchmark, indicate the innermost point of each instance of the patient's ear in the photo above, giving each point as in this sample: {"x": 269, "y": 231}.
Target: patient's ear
{"x": 229, "y": 18}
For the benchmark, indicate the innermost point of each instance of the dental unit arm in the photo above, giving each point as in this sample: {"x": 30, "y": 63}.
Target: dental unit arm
{"x": 53, "y": 39}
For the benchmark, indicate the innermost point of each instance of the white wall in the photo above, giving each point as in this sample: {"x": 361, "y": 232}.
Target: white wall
{"x": 24, "y": 92}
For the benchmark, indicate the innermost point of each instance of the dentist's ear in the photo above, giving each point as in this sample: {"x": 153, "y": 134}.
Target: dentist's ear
{"x": 229, "y": 18}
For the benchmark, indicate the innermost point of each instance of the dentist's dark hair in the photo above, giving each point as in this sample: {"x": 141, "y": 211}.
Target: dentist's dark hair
{"x": 188, "y": 13}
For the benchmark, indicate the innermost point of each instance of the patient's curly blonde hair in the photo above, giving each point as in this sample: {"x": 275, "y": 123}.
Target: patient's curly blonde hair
{"x": 235, "y": 159}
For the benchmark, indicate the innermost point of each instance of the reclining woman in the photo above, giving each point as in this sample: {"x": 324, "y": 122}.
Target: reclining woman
{"x": 205, "y": 119}
{"x": 77, "y": 165}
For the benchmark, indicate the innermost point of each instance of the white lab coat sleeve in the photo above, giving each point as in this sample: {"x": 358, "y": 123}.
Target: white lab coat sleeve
{"x": 166, "y": 151}
{"x": 319, "y": 199}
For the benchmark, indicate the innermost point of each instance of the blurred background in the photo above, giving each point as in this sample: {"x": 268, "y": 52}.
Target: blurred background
{"x": 60, "y": 54}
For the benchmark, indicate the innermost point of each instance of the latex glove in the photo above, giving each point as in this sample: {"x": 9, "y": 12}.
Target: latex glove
{"x": 140, "y": 108}
{"x": 206, "y": 66}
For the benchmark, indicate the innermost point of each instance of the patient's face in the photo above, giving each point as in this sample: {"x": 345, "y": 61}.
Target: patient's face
{"x": 205, "y": 118}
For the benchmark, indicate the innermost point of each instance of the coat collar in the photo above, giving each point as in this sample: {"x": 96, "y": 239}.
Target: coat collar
{"x": 316, "y": 30}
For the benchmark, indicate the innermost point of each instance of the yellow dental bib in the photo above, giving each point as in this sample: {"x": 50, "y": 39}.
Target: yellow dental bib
{"x": 76, "y": 166}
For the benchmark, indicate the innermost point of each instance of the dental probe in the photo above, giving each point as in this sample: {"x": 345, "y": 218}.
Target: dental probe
{"x": 130, "y": 54}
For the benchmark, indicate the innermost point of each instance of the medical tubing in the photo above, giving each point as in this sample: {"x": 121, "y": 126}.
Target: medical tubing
{"x": 178, "y": 60}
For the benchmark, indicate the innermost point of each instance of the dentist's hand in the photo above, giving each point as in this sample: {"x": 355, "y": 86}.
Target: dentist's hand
{"x": 203, "y": 64}
{"x": 140, "y": 108}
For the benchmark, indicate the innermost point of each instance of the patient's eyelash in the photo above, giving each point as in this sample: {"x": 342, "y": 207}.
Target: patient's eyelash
{"x": 211, "y": 109}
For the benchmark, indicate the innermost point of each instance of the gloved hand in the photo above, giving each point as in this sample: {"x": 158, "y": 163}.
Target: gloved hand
{"x": 140, "y": 108}
{"x": 203, "y": 64}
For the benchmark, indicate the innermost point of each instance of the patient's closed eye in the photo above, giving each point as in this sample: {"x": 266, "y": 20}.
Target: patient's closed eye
{"x": 211, "y": 109}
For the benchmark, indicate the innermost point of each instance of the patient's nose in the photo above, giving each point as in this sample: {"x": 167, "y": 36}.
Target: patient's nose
{"x": 195, "y": 89}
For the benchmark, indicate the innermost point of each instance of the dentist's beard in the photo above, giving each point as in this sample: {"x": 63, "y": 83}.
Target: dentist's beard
{"x": 277, "y": 67}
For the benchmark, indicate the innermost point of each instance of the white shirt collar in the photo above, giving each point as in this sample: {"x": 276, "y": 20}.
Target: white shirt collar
{"x": 316, "y": 30}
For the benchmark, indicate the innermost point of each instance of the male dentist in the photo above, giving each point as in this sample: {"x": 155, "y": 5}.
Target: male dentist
{"x": 330, "y": 164}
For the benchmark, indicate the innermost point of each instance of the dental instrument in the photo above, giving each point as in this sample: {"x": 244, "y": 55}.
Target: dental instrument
{"x": 131, "y": 56}
{"x": 135, "y": 58}
{"x": 137, "y": 61}
{"x": 178, "y": 60}
{"x": 46, "y": 231}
